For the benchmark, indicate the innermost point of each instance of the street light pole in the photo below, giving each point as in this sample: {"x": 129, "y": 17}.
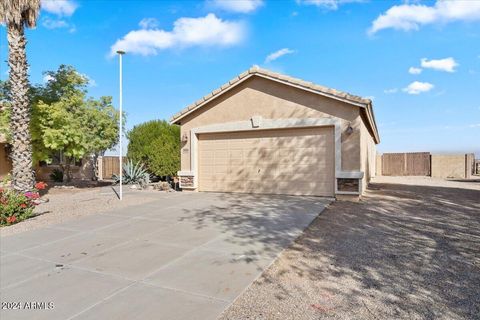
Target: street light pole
{"x": 120, "y": 135}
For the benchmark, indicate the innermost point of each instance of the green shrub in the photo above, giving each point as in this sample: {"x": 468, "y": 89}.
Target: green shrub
{"x": 57, "y": 175}
{"x": 16, "y": 206}
{"x": 156, "y": 144}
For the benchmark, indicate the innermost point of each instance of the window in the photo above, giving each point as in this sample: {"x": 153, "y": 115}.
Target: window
{"x": 59, "y": 158}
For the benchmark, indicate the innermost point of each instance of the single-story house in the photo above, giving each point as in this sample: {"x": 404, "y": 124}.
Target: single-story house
{"x": 5, "y": 163}
{"x": 81, "y": 170}
{"x": 264, "y": 132}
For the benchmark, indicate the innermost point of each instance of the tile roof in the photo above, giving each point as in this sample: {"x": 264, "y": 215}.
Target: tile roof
{"x": 255, "y": 70}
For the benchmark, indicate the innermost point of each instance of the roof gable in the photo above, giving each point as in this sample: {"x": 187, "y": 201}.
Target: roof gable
{"x": 287, "y": 80}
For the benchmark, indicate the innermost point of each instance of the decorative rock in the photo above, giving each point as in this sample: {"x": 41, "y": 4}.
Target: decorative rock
{"x": 161, "y": 186}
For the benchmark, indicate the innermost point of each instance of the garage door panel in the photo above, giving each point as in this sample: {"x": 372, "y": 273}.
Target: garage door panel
{"x": 288, "y": 161}
{"x": 235, "y": 153}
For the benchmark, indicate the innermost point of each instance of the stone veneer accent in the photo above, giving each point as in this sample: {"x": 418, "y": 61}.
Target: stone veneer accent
{"x": 346, "y": 184}
{"x": 186, "y": 182}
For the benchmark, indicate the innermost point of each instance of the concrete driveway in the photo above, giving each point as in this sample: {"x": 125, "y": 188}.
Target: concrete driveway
{"x": 183, "y": 256}
{"x": 409, "y": 250}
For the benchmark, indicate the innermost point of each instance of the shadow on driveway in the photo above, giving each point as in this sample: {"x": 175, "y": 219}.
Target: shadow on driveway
{"x": 260, "y": 225}
{"x": 405, "y": 252}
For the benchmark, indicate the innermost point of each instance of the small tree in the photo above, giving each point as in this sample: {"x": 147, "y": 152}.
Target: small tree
{"x": 156, "y": 144}
{"x": 65, "y": 121}
{"x": 102, "y": 125}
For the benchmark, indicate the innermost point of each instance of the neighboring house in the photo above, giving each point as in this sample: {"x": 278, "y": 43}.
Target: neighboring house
{"x": 5, "y": 163}
{"x": 81, "y": 170}
{"x": 263, "y": 132}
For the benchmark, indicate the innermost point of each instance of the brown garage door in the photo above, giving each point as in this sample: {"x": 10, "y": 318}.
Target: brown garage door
{"x": 286, "y": 161}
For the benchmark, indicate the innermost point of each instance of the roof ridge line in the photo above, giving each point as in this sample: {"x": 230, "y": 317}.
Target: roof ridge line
{"x": 255, "y": 69}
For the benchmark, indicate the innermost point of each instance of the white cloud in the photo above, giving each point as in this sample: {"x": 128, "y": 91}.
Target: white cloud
{"x": 91, "y": 82}
{"x": 57, "y": 24}
{"x": 390, "y": 91}
{"x": 418, "y": 87}
{"x": 238, "y": 6}
{"x": 411, "y": 16}
{"x": 413, "y": 70}
{"x": 448, "y": 64}
{"x": 476, "y": 125}
{"x": 54, "y": 23}
{"x": 51, "y": 24}
{"x": 187, "y": 32}
{"x": 59, "y": 7}
{"x": 327, "y": 4}
{"x": 148, "y": 23}
{"x": 277, "y": 54}
{"x": 47, "y": 78}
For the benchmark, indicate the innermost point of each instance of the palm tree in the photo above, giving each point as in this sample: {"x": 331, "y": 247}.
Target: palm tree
{"x": 18, "y": 14}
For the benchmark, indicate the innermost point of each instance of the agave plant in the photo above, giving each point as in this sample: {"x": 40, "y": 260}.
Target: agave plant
{"x": 134, "y": 173}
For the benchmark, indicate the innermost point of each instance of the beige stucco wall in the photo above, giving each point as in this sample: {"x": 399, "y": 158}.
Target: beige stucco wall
{"x": 449, "y": 166}
{"x": 85, "y": 172}
{"x": 272, "y": 100}
{"x": 378, "y": 165}
{"x": 470, "y": 165}
{"x": 368, "y": 155}
{"x": 5, "y": 163}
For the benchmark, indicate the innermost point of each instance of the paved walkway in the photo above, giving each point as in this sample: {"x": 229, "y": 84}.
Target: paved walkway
{"x": 183, "y": 256}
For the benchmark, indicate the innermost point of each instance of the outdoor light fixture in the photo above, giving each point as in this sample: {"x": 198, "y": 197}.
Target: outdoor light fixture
{"x": 349, "y": 130}
{"x": 184, "y": 137}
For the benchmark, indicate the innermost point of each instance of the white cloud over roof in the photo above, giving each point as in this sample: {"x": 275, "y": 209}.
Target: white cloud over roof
{"x": 59, "y": 7}
{"x": 414, "y": 70}
{"x": 327, "y": 4}
{"x": 277, "y": 54}
{"x": 448, "y": 64}
{"x": 238, "y": 6}
{"x": 187, "y": 32}
{"x": 408, "y": 17}
{"x": 418, "y": 87}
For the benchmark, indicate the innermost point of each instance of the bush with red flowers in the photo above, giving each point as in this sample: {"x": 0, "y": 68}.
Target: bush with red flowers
{"x": 16, "y": 206}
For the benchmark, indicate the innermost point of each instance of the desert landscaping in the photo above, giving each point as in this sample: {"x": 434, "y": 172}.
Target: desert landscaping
{"x": 239, "y": 159}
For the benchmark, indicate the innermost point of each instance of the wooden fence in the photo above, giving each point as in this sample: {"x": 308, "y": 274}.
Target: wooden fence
{"x": 108, "y": 166}
{"x": 406, "y": 164}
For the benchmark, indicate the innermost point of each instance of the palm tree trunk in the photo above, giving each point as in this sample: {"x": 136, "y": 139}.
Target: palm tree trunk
{"x": 22, "y": 173}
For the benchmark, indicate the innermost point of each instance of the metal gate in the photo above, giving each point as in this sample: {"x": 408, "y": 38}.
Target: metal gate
{"x": 406, "y": 164}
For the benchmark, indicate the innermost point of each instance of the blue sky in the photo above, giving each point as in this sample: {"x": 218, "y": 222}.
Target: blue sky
{"x": 418, "y": 61}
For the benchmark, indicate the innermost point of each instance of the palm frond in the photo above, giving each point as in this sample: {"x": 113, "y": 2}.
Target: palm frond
{"x": 19, "y": 12}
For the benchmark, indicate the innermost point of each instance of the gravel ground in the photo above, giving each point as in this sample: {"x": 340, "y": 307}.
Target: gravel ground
{"x": 409, "y": 250}
{"x": 67, "y": 204}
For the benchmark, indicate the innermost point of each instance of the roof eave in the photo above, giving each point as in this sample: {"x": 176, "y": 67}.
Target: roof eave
{"x": 247, "y": 75}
